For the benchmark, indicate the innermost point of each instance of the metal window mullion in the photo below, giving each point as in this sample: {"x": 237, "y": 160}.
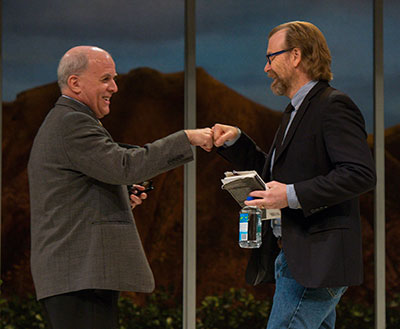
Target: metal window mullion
{"x": 1, "y": 112}
{"x": 189, "y": 229}
{"x": 379, "y": 154}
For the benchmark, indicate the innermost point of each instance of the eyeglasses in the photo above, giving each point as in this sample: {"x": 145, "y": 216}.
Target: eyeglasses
{"x": 270, "y": 57}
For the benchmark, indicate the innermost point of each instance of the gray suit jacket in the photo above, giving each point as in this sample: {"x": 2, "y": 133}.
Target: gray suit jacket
{"x": 83, "y": 234}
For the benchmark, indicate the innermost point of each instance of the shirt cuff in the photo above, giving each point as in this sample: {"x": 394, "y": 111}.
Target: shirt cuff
{"x": 233, "y": 141}
{"x": 293, "y": 201}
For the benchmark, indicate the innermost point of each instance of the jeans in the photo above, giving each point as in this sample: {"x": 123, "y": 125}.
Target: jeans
{"x": 298, "y": 307}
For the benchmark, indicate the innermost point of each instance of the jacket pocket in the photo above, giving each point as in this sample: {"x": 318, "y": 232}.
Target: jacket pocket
{"x": 329, "y": 224}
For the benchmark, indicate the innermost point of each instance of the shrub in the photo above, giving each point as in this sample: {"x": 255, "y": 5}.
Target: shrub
{"x": 350, "y": 315}
{"x": 235, "y": 309}
{"x": 158, "y": 312}
{"x": 17, "y": 313}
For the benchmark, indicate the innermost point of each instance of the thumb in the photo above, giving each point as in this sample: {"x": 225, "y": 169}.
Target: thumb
{"x": 218, "y": 133}
{"x": 221, "y": 139}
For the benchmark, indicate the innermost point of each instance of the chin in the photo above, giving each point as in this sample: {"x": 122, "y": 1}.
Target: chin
{"x": 278, "y": 88}
{"x": 105, "y": 112}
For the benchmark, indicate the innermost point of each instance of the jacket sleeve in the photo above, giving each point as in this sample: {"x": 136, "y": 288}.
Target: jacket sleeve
{"x": 353, "y": 170}
{"x": 91, "y": 150}
{"x": 244, "y": 154}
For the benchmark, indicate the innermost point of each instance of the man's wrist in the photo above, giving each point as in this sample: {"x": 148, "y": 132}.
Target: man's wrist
{"x": 293, "y": 201}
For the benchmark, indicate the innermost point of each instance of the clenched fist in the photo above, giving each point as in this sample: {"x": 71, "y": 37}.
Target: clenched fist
{"x": 223, "y": 133}
{"x": 201, "y": 137}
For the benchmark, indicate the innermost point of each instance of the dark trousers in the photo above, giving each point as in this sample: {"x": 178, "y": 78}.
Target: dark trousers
{"x": 85, "y": 309}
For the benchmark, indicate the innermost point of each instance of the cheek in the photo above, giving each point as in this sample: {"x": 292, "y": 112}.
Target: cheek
{"x": 281, "y": 72}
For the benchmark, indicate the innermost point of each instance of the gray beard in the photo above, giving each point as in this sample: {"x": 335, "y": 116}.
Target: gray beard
{"x": 279, "y": 87}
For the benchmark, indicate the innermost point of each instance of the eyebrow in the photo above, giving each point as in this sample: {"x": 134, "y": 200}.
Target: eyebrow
{"x": 108, "y": 75}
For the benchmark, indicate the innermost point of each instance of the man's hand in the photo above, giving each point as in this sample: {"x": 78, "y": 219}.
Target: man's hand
{"x": 273, "y": 198}
{"x": 223, "y": 133}
{"x": 201, "y": 137}
{"x": 137, "y": 200}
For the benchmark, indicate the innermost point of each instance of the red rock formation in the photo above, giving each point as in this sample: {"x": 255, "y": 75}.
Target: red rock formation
{"x": 148, "y": 106}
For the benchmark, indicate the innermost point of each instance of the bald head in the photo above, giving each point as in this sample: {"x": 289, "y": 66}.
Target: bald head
{"x": 75, "y": 61}
{"x": 87, "y": 74}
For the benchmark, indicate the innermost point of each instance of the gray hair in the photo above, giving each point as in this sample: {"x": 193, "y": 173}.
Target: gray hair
{"x": 71, "y": 63}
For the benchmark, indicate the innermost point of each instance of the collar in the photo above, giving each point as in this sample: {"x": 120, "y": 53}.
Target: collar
{"x": 65, "y": 100}
{"x": 302, "y": 93}
{"x": 73, "y": 99}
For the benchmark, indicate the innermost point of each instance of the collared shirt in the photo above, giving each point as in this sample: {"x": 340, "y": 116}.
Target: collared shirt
{"x": 293, "y": 201}
{"x": 74, "y": 99}
{"x": 296, "y": 102}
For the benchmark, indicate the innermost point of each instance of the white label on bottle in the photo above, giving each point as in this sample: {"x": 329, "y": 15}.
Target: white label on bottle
{"x": 243, "y": 227}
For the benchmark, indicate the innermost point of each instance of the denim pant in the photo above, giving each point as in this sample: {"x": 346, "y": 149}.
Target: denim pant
{"x": 298, "y": 307}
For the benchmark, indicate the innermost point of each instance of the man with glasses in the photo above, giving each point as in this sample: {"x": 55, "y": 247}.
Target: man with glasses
{"x": 318, "y": 165}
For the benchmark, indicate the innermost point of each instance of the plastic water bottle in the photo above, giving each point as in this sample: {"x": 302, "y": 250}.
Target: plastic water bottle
{"x": 250, "y": 226}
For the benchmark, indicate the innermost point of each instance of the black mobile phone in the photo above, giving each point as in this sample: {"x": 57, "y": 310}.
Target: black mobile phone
{"x": 148, "y": 187}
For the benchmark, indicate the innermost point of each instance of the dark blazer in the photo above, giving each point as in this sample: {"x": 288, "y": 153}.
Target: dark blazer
{"x": 326, "y": 156}
{"x": 83, "y": 234}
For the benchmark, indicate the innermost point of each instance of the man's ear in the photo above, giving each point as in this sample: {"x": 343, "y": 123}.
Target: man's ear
{"x": 296, "y": 57}
{"x": 74, "y": 83}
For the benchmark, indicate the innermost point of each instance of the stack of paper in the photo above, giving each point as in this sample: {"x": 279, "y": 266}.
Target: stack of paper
{"x": 240, "y": 183}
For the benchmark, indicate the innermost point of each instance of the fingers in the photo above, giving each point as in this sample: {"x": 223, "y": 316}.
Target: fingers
{"x": 223, "y": 133}
{"x": 206, "y": 138}
{"x": 137, "y": 200}
{"x": 275, "y": 197}
{"x": 273, "y": 184}
{"x": 138, "y": 187}
{"x": 201, "y": 137}
{"x": 260, "y": 199}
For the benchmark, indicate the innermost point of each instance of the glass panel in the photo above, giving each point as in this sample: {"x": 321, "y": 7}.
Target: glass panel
{"x": 146, "y": 41}
{"x": 391, "y": 39}
{"x": 232, "y": 40}
{"x": 231, "y": 47}
{"x": 136, "y": 33}
{"x": 391, "y": 14}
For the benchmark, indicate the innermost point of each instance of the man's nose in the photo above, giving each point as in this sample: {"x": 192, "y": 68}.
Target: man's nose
{"x": 267, "y": 67}
{"x": 113, "y": 86}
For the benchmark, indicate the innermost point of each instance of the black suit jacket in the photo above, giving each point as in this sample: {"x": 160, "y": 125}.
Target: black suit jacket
{"x": 326, "y": 156}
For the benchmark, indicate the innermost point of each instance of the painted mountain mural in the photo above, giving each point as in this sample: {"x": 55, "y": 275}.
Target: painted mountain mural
{"x": 148, "y": 106}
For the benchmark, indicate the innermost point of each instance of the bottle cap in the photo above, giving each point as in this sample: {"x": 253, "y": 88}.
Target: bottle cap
{"x": 249, "y": 198}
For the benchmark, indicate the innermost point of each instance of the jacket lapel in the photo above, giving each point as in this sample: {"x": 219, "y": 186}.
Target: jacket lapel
{"x": 298, "y": 117}
{"x": 266, "y": 170}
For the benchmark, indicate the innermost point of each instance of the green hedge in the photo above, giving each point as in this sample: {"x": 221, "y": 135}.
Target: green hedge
{"x": 234, "y": 309}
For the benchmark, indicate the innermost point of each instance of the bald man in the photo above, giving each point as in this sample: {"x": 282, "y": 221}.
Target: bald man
{"x": 85, "y": 247}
